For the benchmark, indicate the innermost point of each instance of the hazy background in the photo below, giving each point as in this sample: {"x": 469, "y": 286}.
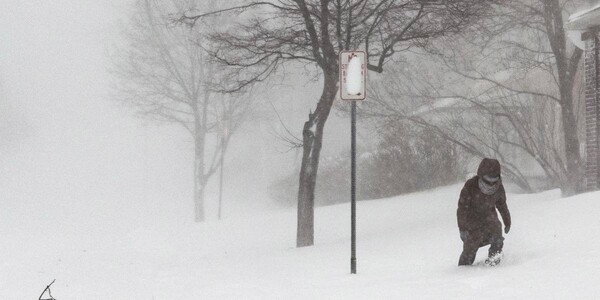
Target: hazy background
{"x": 67, "y": 147}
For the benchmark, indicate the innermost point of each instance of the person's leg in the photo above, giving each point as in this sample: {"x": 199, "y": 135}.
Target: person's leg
{"x": 496, "y": 242}
{"x": 470, "y": 247}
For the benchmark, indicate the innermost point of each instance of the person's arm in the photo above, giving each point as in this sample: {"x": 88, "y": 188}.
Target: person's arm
{"x": 503, "y": 209}
{"x": 462, "y": 213}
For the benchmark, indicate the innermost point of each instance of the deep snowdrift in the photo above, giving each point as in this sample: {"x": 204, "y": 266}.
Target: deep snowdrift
{"x": 408, "y": 248}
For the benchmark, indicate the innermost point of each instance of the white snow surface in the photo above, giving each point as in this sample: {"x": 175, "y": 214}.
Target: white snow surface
{"x": 408, "y": 248}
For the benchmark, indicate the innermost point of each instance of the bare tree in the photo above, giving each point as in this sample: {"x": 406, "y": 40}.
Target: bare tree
{"x": 519, "y": 74}
{"x": 554, "y": 56}
{"x": 491, "y": 123}
{"x": 272, "y": 33}
{"x": 165, "y": 76}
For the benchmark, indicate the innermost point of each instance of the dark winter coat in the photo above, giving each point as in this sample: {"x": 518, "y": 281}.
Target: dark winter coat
{"x": 476, "y": 212}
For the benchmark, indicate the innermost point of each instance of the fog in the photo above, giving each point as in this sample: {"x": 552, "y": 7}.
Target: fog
{"x": 71, "y": 150}
{"x": 102, "y": 200}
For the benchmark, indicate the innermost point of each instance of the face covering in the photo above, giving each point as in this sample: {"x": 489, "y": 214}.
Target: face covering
{"x": 489, "y": 184}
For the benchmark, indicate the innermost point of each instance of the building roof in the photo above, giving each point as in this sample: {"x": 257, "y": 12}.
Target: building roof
{"x": 584, "y": 19}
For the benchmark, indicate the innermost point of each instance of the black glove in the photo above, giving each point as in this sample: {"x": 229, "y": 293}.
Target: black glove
{"x": 506, "y": 229}
{"x": 464, "y": 235}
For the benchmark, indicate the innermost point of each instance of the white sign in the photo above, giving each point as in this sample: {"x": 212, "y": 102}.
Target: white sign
{"x": 353, "y": 75}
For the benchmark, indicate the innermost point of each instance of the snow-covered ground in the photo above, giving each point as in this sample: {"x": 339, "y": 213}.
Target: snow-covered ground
{"x": 408, "y": 248}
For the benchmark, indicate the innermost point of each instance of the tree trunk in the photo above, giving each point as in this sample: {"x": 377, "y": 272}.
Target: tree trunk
{"x": 199, "y": 182}
{"x": 312, "y": 136}
{"x": 567, "y": 69}
{"x": 199, "y": 161}
{"x": 573, "y": 181}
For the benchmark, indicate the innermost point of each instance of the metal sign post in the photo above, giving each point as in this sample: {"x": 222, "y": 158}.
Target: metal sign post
{"x": 353, "y": 189}
{"x": 353, "y": 79}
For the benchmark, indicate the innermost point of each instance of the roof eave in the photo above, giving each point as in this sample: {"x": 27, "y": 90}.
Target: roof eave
{"x": 584, "y": 20}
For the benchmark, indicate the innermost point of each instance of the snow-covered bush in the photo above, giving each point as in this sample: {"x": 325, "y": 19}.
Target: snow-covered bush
{"x": 407, "y": 159}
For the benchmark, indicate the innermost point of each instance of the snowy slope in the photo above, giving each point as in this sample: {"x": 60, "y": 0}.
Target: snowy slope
{"x": 408, "y": 248}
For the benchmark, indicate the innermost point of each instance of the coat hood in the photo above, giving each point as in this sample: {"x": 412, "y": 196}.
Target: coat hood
{"x": 489, "y": 166}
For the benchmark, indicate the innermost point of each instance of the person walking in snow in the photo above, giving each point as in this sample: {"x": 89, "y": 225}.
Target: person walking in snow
{"x": 478, "y": 221}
